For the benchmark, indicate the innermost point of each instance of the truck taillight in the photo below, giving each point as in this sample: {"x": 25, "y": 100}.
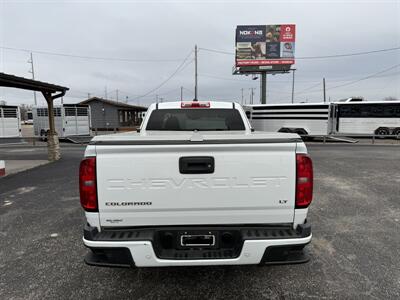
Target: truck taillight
{"x": 304, "y": 180}
{"x": 87, "y": 184}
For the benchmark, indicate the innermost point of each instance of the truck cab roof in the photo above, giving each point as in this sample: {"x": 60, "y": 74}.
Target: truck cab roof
{"x": 192, "y": 103}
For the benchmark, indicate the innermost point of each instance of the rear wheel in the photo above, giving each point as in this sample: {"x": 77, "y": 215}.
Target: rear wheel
{"x": 43, "y": 135}
{"x": 382, "y": 132}
{"x": 301, "y": 131}
{"x": 396, "y": 132}
{"x": 284, "y": 130}
{"x": 46, "y": 134}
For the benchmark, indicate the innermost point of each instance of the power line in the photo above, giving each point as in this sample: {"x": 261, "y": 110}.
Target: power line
{"x": 216, "y": 51}
{"x": 365, "y": 78}
{"x": 179, "y": 68}
{"x": 349, "y": 54}
{"x": 249, "y": 79}
{"x": 353, "y": 81}
{"x": 159, "y": 94}
{"x": 164, "y": 93}
{"x": 91, "y": 57}
{"x": 316, "y": 57}
{"x": 309, "y": 88}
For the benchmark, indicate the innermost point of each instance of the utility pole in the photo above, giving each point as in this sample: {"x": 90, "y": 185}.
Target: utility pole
{"x": 88, "y": 95}
{"x": 195, "y": 72}
{"x": 116, "y": 94}
{"x": 294, "y": 70}
{"x": 251, "y": 95}
{"x": 33, "y": 77}
{"x": 126, "y": 99}
{"x": 181, "y": 93}
{"x": 105, "y": 92}
{"x": 323, "y": 81}
{"x": 242, "y": 95}
{"x": 156, "y": 98}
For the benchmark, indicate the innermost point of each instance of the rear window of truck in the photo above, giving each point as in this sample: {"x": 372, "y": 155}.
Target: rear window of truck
{"x": 195, "y": 119}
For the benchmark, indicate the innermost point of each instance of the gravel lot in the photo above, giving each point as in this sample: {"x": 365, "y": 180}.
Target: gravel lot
{"x": 354, "y": 252}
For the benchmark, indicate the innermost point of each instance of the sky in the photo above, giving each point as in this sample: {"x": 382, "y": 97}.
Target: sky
{"x": 145, "y": 49}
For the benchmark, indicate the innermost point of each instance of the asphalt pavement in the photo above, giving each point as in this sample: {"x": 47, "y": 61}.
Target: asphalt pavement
{"x": 355, "y": 218}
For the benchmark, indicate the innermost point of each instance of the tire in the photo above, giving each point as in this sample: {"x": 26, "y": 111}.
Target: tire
{"x": 382, "y": 132}
{"x": 285, "y": 130}
{"x": 396, "y": 132}
{"x": 301, "y": 131}
{"x": 42, "y": 135}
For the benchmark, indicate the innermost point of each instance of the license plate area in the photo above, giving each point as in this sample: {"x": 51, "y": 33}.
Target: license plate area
{"x": 198, "y": 243}
{"x": 197, "y": 240}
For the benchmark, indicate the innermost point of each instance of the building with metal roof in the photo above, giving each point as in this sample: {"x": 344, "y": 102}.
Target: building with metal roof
{"x": 113, "y": 115}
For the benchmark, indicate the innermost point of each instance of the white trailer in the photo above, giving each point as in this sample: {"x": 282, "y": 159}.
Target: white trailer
{"x": 10, "y": 121}
{"x": 302, "y": 118}
{"x": 366, "y": 118}
{"x": 349, "y": 117}
{"x": 69, "y": 119}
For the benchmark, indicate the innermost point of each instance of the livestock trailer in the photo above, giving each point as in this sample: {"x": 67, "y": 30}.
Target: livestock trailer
{"x": 318, "y": 119}
{"x": 10, "y": 121}
{"x": 301, "y": 118}
{"x": 367, "y": 117}
{"x": 69, "y": 119}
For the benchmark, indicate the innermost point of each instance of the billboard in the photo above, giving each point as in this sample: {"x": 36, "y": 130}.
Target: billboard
{"x": 265, "y": 45}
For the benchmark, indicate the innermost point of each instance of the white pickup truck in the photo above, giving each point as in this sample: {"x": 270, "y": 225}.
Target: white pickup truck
{"x": 196, "y": 186}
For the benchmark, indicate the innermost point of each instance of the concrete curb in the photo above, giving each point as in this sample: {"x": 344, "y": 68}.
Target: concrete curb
{"x": 16, "y": 166}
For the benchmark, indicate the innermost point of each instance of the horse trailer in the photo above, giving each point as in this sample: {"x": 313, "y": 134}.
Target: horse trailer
{"x": 368, "y": 117}
{"x": 69, "y": 119}
{"x": 319, "y": 119}
{"x": 302, "y": 118}
{"x": 10, "y": 121}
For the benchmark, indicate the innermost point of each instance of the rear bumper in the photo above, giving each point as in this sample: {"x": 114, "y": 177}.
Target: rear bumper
{"x": 254, "y": 249}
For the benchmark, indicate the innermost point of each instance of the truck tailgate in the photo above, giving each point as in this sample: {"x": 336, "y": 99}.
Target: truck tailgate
{"x": 142, "y": 185}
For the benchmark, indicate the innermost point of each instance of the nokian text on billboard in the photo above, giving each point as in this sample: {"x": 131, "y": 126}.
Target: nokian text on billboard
{"x": 265, "y": 45}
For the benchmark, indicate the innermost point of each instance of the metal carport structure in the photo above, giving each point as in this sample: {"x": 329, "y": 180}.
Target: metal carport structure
{"x": 49, "y": 92}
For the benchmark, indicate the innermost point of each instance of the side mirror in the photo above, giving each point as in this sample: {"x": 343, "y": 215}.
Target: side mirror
{"x": 252, "y": 129}
{"x": 137, "y": 129}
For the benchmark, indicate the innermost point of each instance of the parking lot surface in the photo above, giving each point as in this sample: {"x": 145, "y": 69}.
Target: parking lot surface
{"x": 355, "y": 218}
